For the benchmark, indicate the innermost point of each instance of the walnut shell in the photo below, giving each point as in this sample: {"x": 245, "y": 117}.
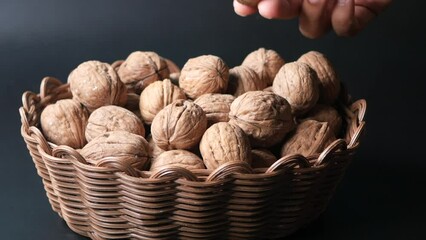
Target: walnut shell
{"x": 96, "y": 84}
{"x": 180, "y": 125}
{"x": 204, "y": 74}
{"x": 121, "y": 146}
{"x": 329, "y": 83}
{"x": 132, "y": 104}
{"x": 325, "y": 113}
{"x": 298, "y": 84}
{"x": 141, "y": 69}
{"x": 179, "y": 158}
{"x": 262, "y": 158}
{"x": 243, "y": 79}
{"x": 113, "y": 118}
{"x": 154, "y": 151}
{"x": 216, "y": 106}
{"x": 64, "y": 122}
{"x": 156, "y": 96}
{"x": 264, "y": 116}
{"x": 224, "y": 142}
{"x": 268, "y": 89}
{"x": 310, "y": 137}
{"x": 265, "y": 62}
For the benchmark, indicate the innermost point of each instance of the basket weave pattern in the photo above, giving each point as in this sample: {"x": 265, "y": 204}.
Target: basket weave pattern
{"x": 234, "y": 201}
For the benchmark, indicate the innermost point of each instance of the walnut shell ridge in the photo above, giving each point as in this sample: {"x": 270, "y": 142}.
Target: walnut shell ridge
{"x": 142, "y": 68}
{"x": 224, "y": 142}
{"x": 310, "y": 137}
{"x": 216, "y": 106}
{"x": 264, "y": 116}
{"x": 113, "y": 118}
{"x": 298, "y": 84}
{"x": 180, "y": 125}
{"x": 204, "y": 74}
{"x": 96, "y": 84}
{"x": 329, "y": 82}
{"x": 265, "y": 62}
{"x": 156, "y": 96}
{"x": 126, "y": 148}
{"x": 64, "y": 123}
{"x": 243, "y": 79}
{"x": 179, "y": 158}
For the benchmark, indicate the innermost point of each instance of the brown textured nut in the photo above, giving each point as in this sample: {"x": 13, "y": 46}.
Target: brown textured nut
{"x": 132, "y": 104}
{"x": 243, "y": 79}
{"x": 126, "y": 148}
{"x": 264, "y": 116}
{"x": 325, "y": 113}
{"x": 113, "y": 118}
{"x": 116, "y": 64}
{"x": 265, "y": 62}
{"x": 262, "y": 158}
{"x": 329, "y": 83}
{"x": 204, "y": 74}
{"x": 224, "y": 142}
{"x": 156, "y": 96}
{"x": 180, "y": 125}
{"x": 268, "y": 89}
{"x": 298, "y": 84}
{"x": 179, "y": 158}
{"x": 141, "y": 69}
{"x": 310, "y": 137}
{"x": 96, "y": 84}
{"x": 154, "y": 151}
{"x": 64, "y": 122}
{"x": 216, "y": 106}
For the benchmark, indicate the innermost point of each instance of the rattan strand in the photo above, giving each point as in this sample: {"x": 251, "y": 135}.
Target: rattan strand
{"x": 115, "y": 201}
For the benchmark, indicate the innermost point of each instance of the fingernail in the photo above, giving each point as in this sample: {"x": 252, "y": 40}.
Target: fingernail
{"x": 342, "y": 2}
{"x": 313, "y": 1}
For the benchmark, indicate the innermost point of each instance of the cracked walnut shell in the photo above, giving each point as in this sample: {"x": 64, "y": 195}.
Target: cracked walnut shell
{"x": 96, "y": 84}
{"x": 113, "y": 118}
{"x": 328, "y": 82}
{"x": 179, "y": 158}
{"x": 298, "y": 84}
{"x": 156, "y": 96}
{"x": 243, "y": 79}
{"x": 180, "y": 125}
{"x": 64, "y": 123}
{"x": 310, "y": 137}
{"x": 265, "y": 62}
{"x": 204, "y": 74}
{"x": 264, "y": 116}
{"x": 216, "y": 106}
{"x": 141, "y": 69}
{"x": 224, "y": 142}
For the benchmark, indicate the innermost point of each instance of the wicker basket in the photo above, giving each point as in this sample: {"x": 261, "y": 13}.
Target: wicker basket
{"x": 232, "y": 202}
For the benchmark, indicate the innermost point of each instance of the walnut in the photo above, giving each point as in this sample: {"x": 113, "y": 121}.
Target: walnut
{"x": 224, "y": 142}
{"x": 268, "y": 89}
{"x": 179, "y": 158}
{"x": 116, "y": 64}
{"x": 141, "y": 69}
{"x": 243, "y": 79}
{"x": 251, "y": 3}
{"x": 310, "y": 137}
{"x": 96, "y": 84}
{"x": 64, "y": 122}
{"x": 174, "y": 71}
{"x": 265, "y": 62}
{"x": 180, "y": 125}
{"x": 156, "y": 96}
{"x": 264, "y": 116}
{"x": 154, "y": 151}
{"x": 298, "y": 84}
{"x": 325, "y": 113}
{"x": 132, "y": 104}
{"x": 216, "y": 106}
{"x": 262, "y": 158}
{"x": 121, "y": 146}
{"x": 329, "y": 83}
{"x": 113, "y": 118}
{"x": 204, "y": 74}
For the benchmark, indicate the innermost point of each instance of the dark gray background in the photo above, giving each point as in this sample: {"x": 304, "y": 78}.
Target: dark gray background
{"x": 381, "y": 194}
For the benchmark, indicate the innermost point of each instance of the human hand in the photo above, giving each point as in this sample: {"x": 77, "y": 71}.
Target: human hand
{"x": 316, "y": 17}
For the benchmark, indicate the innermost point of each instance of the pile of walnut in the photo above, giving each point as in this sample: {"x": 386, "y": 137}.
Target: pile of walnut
{"x": 146, "y": 112}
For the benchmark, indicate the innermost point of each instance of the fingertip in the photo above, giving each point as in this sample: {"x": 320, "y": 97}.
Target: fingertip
{"x": 279, "y": 9}
{"x": 243, "y": 10}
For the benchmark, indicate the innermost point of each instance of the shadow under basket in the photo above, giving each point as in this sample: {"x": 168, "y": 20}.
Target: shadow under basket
{"x": 234, "y": 201}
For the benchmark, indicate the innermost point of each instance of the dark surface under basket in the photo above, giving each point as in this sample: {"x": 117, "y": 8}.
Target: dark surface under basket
{"x": 234, "y": 201}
